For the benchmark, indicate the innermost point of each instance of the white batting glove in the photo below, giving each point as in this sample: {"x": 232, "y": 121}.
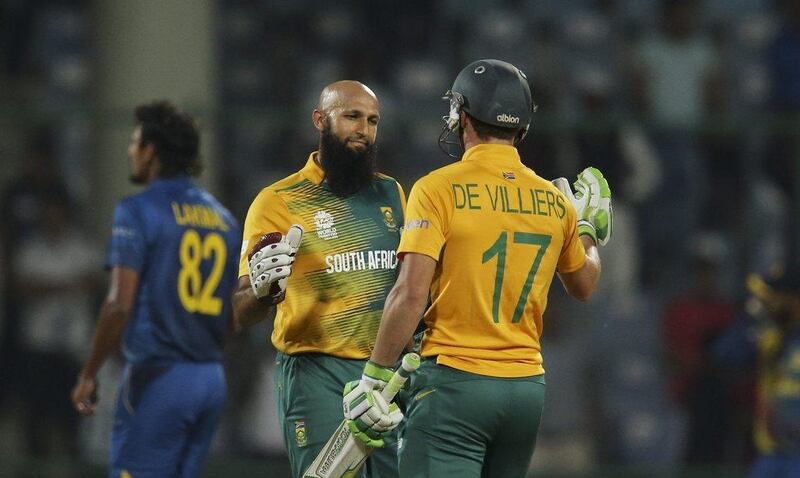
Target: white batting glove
{"x": 369, "y": 416}
{"x": 269, "y": 263}
{"x": 592, "y": 202}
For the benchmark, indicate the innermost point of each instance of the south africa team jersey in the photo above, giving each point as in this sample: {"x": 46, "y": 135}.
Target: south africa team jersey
{"x": 346, "y": 264}
{"x": 184, "y": 246}
{"x": 498, "y": 232}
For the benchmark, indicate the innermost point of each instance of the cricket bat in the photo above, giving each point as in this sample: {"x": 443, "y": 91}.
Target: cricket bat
{"x": 343, "y": 455}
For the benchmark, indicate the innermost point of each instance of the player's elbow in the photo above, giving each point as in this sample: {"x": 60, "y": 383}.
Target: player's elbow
{"x": 582, "y": 283}
{"x": 582, "y": 293}
{"x": 116, "y": 310}
{"x": 243, "y": 317}
{"x": 408, "y": 297}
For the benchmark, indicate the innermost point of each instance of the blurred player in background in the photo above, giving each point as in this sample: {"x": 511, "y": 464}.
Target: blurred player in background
{"x": 772, "y": 343}
{"x": 173, "y": 260}
{"x": 327, "y": 318}
{"x": 483, "y": 239}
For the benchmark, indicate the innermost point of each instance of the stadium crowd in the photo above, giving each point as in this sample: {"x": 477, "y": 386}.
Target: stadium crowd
{"x": 690, "y": 108}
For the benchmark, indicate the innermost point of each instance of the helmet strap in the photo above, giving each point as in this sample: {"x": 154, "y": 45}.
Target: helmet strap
{"x": 449, "y": 145}
{"x": 452, "y": 125}
{"x": 520, "y": 136}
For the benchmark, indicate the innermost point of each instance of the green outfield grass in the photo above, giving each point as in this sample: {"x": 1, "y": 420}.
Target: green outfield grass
{"x": 278, "y": 467}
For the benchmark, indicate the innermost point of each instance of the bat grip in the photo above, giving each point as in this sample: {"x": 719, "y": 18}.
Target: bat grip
{"x": 409, "y": 364}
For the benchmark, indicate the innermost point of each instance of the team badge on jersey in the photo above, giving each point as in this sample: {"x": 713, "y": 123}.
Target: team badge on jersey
{"x": 509, "y": 175}
{"x": 325, "y": 226}
{"x": 300, "y": 433}
{"x": 388, "y": 218}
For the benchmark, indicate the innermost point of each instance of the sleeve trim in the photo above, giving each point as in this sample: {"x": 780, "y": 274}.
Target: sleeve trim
{"x": 427, "y": 251}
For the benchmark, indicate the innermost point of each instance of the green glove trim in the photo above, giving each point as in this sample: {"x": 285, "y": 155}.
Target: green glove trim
{"x": 602, "y": 224}
{"x": 605, "y": 189}
{"x": 364, "y": 436}
{"x": 585, "y": 228}
{"x": 378, "y": 373}
{"x": 349, "y": 386}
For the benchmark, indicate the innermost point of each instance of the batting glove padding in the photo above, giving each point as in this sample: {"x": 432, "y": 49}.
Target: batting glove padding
{"x": 369, "y": 417}
{"x": 376, "y": 376}
{"x": 592, "y": 202}
{"x": 270, "y": 263}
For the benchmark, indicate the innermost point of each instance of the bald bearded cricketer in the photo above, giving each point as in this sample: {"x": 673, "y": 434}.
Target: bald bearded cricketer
{"x": 327, "y": 263}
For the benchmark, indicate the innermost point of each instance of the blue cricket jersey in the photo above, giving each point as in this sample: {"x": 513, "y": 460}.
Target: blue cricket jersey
{"x": 185, "y": 246}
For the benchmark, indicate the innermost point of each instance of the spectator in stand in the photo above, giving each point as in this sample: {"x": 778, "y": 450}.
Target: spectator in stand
{"x": 675, "y": 82}
{"x": 21, "y": 205}
{"x": 691, "y": 323}
{"x": 55, "y": 310}
{"x": 676, "y": 74}
{"x": 783, "y": 61}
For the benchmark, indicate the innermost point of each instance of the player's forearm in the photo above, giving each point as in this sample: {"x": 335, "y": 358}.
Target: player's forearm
{"x": 593, "y": 258}
{"x": 582, "y": 283}
{"x": 110, "y": 325}
{"x": 247, "y": 310}
{"x": 591, "y": 271}
{"x": 401, "y": 316}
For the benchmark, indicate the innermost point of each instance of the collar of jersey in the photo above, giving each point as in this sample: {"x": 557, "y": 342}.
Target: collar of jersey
{"x": 165, "y": 182}
{"x": 501, "y": 154}
{"x": 312, "y": 171}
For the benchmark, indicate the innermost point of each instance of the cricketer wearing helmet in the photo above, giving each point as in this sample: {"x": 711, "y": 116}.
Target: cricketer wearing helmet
{"x": 483, "y": 239}
{"x": 327, "y": 264}
{"x": 772, "y": 341}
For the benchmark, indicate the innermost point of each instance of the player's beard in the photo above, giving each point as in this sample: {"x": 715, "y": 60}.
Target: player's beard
{"x": 346, "y": 171}
{"x": 137, "y": 178}
{"x": 138, "y": 173}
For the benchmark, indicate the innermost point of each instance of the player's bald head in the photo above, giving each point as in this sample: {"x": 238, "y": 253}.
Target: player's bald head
{"x": 347, "y": 119}
{"x": 345, "y": 94}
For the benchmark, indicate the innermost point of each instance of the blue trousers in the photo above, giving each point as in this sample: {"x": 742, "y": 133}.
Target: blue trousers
{"x": 165, "y": 419}
{"x": 776, "y": 466}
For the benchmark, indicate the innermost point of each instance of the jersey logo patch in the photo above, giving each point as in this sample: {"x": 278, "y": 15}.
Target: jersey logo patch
{"x": 509, "y": 175}
{"x": 417, "y": 224}
{"x": 300, "y": 433}
{"x": 325, "y": 227}
{"x": 388, "y": 218}
{"x": 424, "y": 394}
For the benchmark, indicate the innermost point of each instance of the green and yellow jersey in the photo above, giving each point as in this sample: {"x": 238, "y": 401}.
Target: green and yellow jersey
{"x": 346, "y": 264}
{"x": 498, "y": 232}
{"x": 777, "y": 417}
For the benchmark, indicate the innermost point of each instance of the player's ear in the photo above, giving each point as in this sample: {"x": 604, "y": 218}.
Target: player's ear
{"x": 319, "y": 119}
{"x": 149, "y": 151}
{"x": 462, "y": 120}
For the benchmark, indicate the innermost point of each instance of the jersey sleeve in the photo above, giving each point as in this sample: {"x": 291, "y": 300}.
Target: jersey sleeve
{"x": 428, "y": 213}
{"x": 268, "y": 213}
{"x": 573, "y": 254}
{"x": 402, "y": 195}
{"x": 128, "y": 241}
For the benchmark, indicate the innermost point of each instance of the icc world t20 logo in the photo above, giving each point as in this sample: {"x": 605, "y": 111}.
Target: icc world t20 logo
{"x": 325, "y": 225}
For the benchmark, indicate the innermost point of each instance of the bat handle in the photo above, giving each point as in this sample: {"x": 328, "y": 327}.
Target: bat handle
{"x": 409, "y": 364}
